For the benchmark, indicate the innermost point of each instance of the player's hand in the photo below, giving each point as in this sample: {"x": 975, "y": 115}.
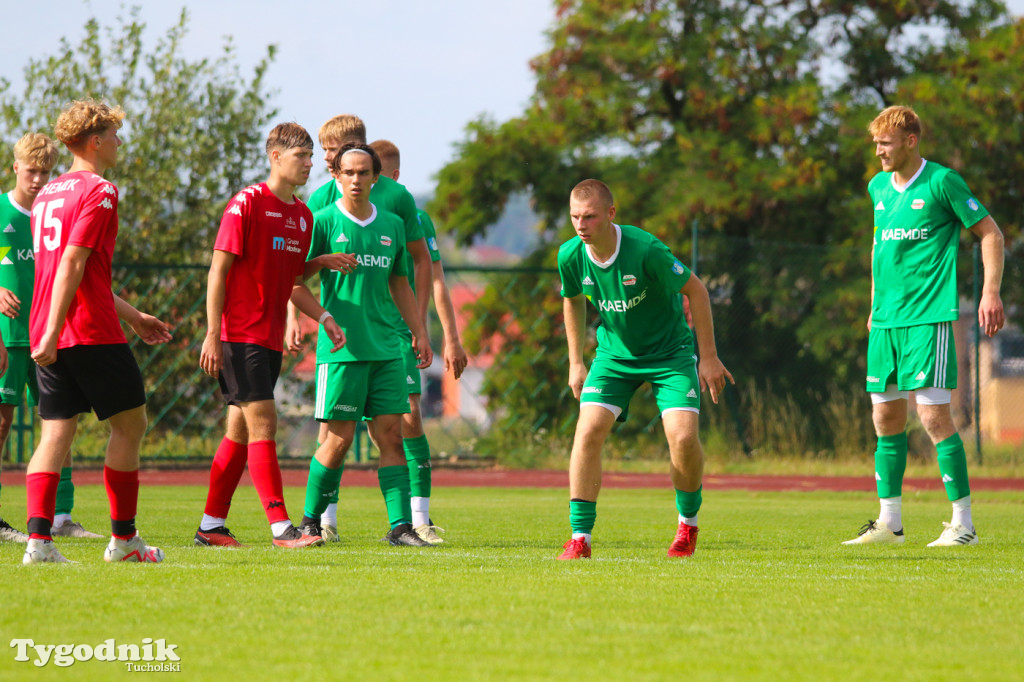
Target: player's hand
{"x": 424, "y": 353}
{"x": 46, "y": 353}
{"x": 334, "y": 333}
{"x": 455, "y": 358}
{"x": 991, "y": 316}
{"x": 341, "y": 262}
{"x": 293, "y": 336}
{"x": 151, "y": 330}
{"x": 211, "y": 359}
{"x": 712, "y": 374}
{"x": 577, "y": 376}
{"x": 10, "y": 305}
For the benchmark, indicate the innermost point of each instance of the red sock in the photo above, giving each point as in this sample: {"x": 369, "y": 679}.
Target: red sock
{"x": 266, "y": 476}
{"x": 123, "y": 493}
{"x": 41, "y": 503}
{"x": 228, "y": 465}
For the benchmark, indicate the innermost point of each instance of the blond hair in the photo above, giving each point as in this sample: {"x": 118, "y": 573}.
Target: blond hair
{"x": 388, "y": 152}
{"x": 36, "y": 150}
{"x": 593, "y": 189}
{"x": 896, "y": 118}
{"x": 84, "y": 118}
{"x": 341, "y": 129}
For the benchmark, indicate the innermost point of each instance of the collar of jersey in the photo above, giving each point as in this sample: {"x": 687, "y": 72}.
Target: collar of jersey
{"x": 618, "y": 244}
{"x": 901, "y": 190}
{"x": 357, "y": 221}
{"x": 18, "y": 207}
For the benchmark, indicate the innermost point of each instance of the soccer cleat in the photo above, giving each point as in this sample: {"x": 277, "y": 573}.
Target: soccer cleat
{"x": 330, "y": 533}
{"x": 11, "y": 534}
{"x": 42, "y": 552}
{"x": 403, "y": 535}
{"x": 132, "y": 551}
{"x": 954, "y": 535}
{"x": 576, "y": 548}
{"x": 876, "y": 532}
{"x": 685, "y": 542}
{"x": 312, "y": 530}
{"x": 293, "y": 538}
{"x": 428, "y": 533}
{"x": 216, "y": 537}
{"x": 73, "y": 529}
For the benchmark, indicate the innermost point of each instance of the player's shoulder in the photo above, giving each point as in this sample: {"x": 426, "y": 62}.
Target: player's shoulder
{"x": 387, "y": 220}
{"x": 570, "y": 249}
{"x": 323, "y": 190}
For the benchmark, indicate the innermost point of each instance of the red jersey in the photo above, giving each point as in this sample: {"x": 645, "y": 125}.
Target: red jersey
{"x": 270, "y": 240}
{"x": 76, "y": 209}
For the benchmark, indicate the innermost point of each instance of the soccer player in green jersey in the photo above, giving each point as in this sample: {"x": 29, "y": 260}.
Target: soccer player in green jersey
{"x": 367, "y": 376}
{"x": 920, "y": 208}
{"x": 34, "y": 157}
{"x": 635, "y": 283}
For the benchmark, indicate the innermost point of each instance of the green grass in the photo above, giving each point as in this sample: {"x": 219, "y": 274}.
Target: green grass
{"x": 770, "y": 594}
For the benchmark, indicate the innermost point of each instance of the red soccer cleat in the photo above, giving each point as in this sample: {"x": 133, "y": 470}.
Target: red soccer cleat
{"x": 293, "y": 538}
{"x": 576, "y": 548}
{"x": 216, "y": 537}
{"x": 685, "y": 542}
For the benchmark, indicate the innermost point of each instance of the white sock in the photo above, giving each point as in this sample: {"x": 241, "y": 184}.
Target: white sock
{"x": 891, "y": 513}
{"x": 962, "y": 512}
{"x": 585, "y": 536}
{"x": 330, "y": 515}
{"x": 420, "y": 511}
{"x": 278, "y": 527}
{"x": 60, "y": 519}
{"x": 688, "y": 520}
{"x": 211, "y": 522}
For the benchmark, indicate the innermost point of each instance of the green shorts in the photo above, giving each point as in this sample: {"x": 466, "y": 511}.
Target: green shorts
{"x": 413, "y": 382}
{"x": 21, "y": 372}
{"x": 349, "y": 391}
{"x": 612, "y": 383}
{"x": 923, "y": 356}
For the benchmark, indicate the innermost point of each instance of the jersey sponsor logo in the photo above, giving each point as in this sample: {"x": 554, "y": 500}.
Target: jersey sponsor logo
{"x": 621, "y": 306}
{"x": 106, "y": 204}
{"x": 342, "y": 238}
{"x": 591, "y": 389}
{"x": 629, "y": 280}
{"x": 10, "y": 228}
{"x": 55, "y": 187}
{"x": 385, "y": 240}
{"x": 368, "y": 260}
{"x": 25, "y": 254}
{"x": 879, "y": 206}
{"x": 109, "y": 189}
{"x": 433, "y": 244}
{"x": 917, "y": 204}
{"x": 286, "y": 244}
{"x": 277, "y": 244}
{"x": 4, "y": 260}
{"x": 6, "y": 252}
{"x": 972, "y": 204}
{"x": 587, "y": 281}
{"x": 274, "y": 214}
{"x": 290, "y": 223}
{"x": 235, "y": 209}
{"x": 302, "y": 223}
{"x": 899, "y": 234}
{"x": 677, "y": 267}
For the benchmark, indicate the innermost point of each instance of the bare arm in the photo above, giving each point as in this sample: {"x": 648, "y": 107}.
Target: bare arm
{"x": 711, "y": 371}
{"x": 991, "y": 316}
{"x": 69, "y": 275}
{"x": 454, "y": 354}
{"x": 304, "y": 300}
{"x": 148, "y": 328}
{"x": 574, "y": 310}
{"x": 422, "y": 269}
{"x": 211, "y": 359}
{"x": 406, "y": 303}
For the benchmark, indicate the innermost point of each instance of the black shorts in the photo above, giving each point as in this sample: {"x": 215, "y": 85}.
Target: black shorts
{"x": 105, "y": 379}
{"x": 250, "y": 372}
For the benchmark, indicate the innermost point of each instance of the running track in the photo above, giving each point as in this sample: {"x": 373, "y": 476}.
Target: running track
{"x": 495, "y": 478}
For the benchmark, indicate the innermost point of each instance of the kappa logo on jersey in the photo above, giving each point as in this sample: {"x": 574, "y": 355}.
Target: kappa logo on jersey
{"x": 677, "y": 267}
{"x": 253, "y": 190}
{"x": 587, "y": 281}
{"x": 629, "y": 280}
{"x": 109, "y": 189}
{"x": 235, "y": 209}
{"x": 106, "y": 204}
{"x": 241, "y": 198}
{"x": 621, "y": 306}
{"x": 879, "y": 206}
{"x": 917, "y": 204}
{"x": 274, "y": 214}
{"x": 385, "y": 240}
{"x": 302, "y": 223}
{"x": 972, "y": 204}
{"x": 342, "y": 238}
{"x": 10, "y": 228}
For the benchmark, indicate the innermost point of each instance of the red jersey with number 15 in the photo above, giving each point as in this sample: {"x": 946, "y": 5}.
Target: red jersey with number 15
{"x": 76, "y": 209}
{"x": 270, "y": 240}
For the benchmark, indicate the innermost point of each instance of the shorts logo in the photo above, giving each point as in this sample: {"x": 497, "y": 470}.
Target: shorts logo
{"x": 591, "y": 389}
{"x": 873, "y": 380}
{"x": 587, "y": 281}
{"x": 917, "y": 204}
{"x": 879, "y": 206}
{"x": 677, "y": 268}
{"x": 972, "y": 204}
{"x": 409, "y": 379}
{"x": 920, "y": 376}
{"x": 629, "y": 280}
{"x": 385, "y": 240}
{"x": 691, "y": 394}
{"x": 274, "y": 214}
{"x": 302, "y": 224}
{"x": 342, "y": 238}
{"x": 8, "y": 391}
{"x": 344, "y": 408}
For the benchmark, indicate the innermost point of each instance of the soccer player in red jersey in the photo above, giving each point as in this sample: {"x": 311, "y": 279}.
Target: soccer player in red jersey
{"x": 82, "y": 357}
{"x": 259, "y": 256}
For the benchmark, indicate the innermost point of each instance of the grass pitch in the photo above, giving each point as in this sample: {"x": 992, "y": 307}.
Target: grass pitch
{"x": 770, "y": 593}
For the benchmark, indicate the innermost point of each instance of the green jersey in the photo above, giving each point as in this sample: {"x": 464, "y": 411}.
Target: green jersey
{"x": 17, "y": 267}
{"x": 636, "y": 293}
{"x": 430, "y": 235}
{"x": 361, "y": 300}
{"x": 916, "y": 236}
{"x": 386, "y": 194}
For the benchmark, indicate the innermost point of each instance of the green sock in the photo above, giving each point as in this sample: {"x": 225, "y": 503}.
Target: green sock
{"x": 417, "y": 458}
{"x": 321, "y": 484}
{"x": 688, "y": 504}
{"x": 333, "y": 498}
{"x": 890, "y": 465}
{"x": 65, "y": 492}
{"x": 394, "y": 485}
{"x": 582, "y": 515}
{"x": 953, "y": 466}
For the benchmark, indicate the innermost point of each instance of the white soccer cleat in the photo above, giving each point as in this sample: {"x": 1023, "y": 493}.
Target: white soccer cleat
{"x": 877, "y": 533}
{"x": 428, "y": 533}
{"x": 954, "y": 535}
{"x": 134, "y": 550}
{"x": 42, "y": 552}
{"x": 330, "y": 533}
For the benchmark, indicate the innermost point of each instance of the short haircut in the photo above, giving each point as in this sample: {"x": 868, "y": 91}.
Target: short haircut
{"x": 84, "y": 118}
{"x": 388, "y": 152}
{"x": 37, "y": 150}
{"x": 593, "y": 189}
{"x": 286, "y": 136}
{"x": 898, "y": 118}
{"x": 343, "y": 128}
{"x": 336, "y": 161}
